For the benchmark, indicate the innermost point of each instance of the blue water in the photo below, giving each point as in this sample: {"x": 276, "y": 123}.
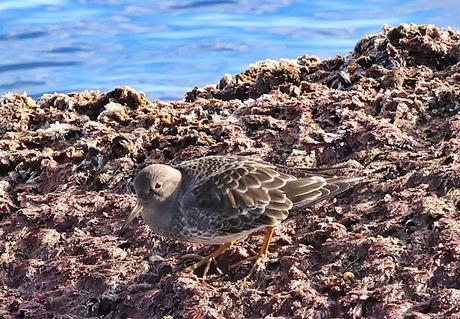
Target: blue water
{"x": 165, "y": 48}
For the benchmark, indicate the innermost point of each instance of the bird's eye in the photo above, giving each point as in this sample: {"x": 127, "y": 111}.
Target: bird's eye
{"x": 158, "y": 185}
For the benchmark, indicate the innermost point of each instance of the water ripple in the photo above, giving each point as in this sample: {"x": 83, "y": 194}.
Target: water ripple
{"x": 35, "y": 65}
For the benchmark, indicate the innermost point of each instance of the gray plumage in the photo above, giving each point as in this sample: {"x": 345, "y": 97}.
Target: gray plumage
{"x": 217, "y": 199}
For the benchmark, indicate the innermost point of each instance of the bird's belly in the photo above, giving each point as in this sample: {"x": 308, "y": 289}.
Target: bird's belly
{"x": 192, "y": 234}
{"x": 213, "y": 239}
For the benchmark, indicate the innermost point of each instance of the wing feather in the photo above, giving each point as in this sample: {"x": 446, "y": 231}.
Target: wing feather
{"x": 249, "y": 191}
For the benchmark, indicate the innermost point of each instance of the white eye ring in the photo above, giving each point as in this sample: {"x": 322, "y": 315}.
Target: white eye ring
{"x": 158, "y": 185}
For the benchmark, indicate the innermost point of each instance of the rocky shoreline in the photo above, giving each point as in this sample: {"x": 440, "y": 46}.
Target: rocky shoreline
{"x": 388, "y": 249}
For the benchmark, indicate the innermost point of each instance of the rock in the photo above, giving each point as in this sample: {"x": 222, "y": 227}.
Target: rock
{"x": 389, "y": 110}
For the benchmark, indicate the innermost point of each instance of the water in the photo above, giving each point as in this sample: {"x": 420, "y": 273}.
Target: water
{"x": 164, "y": 48}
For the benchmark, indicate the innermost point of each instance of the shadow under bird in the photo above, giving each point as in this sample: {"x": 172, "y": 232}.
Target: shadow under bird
{"x": 220, "y": 199}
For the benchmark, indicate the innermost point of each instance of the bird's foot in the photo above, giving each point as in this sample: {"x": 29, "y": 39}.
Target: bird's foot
{"x": 257, "y": 276}
{"x": 202, "y": 261}
{"x": 206, "y": 260}
{"x": 257, "y": 272}
{"x": 259, "y": 263}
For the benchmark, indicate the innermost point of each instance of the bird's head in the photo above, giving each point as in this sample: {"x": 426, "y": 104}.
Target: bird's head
{"x": 154, "y": 184}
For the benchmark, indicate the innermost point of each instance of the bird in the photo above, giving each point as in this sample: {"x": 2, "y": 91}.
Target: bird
{"x": 219, "y": 199}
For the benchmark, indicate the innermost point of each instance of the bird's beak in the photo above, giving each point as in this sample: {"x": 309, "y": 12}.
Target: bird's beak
{"x": 134, "y": 213}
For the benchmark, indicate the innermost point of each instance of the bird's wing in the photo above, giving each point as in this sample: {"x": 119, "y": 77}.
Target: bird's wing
{"x": 333, "y": 185}
{"x": 237, "y": 194}
{"x": 300, "y": 172}
{"x": 328, "y": 189}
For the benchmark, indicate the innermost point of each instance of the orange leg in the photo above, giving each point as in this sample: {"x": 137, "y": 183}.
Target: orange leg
{"x": 263, "y": 255}
{"x": 267, "y": 239}
{"x": 207, "y": 260}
